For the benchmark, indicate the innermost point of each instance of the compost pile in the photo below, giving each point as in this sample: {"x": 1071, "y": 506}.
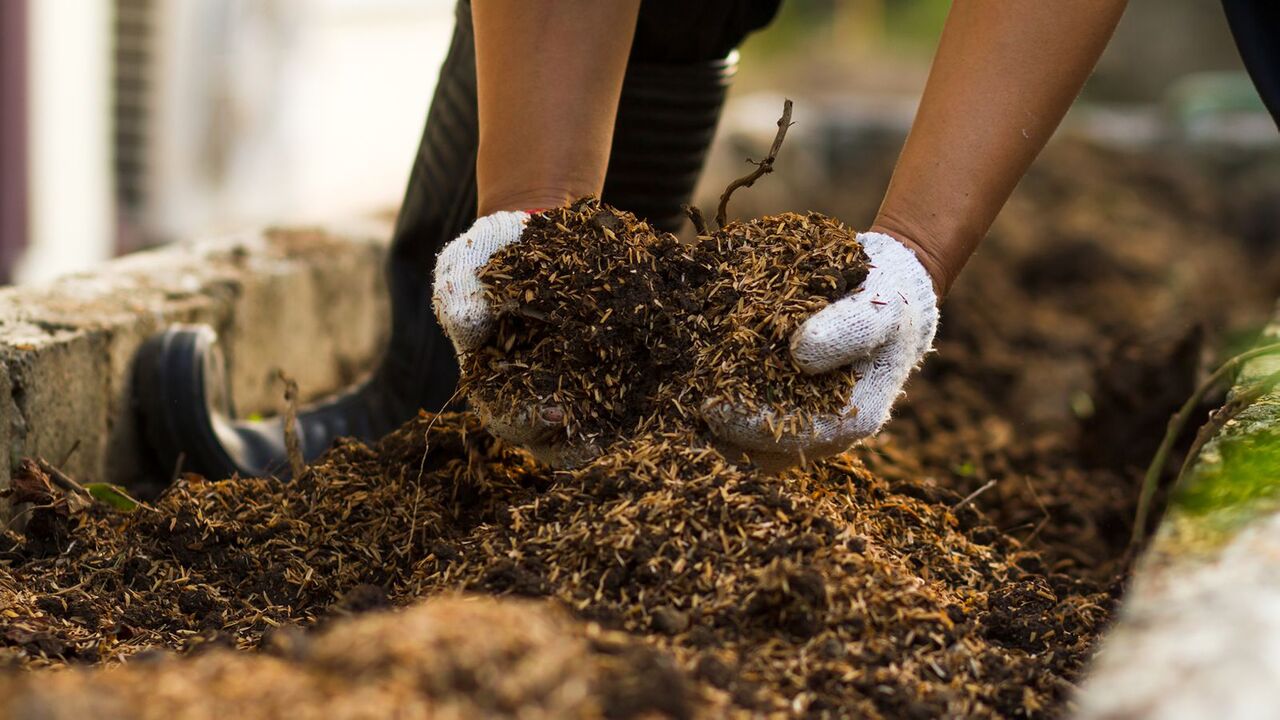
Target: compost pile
{"x": 829, "y": 590}
{"x": 961, "y": 564}
{"x": 626, "y": 329}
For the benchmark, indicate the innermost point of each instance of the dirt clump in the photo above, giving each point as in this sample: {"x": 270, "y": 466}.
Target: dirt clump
{"x": 627, "y": 329}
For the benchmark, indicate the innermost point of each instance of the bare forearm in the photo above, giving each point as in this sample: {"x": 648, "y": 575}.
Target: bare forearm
{"x": 1003, "y": 77}
{"x": 549, "y": 73}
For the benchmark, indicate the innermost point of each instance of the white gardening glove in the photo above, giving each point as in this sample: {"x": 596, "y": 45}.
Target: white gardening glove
{"x": 465, "y": 315}
{"x": 881, "y": 330}
{"x": 457, "y": 294}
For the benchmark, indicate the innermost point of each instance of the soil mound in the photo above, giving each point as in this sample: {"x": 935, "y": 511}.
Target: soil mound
{"x": 827, "y": 590}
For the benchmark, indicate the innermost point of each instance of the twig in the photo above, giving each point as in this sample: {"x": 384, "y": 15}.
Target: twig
{"x": 177, "y": 468}
{"x": 1220, "y": 417}
{"x": 74, "y": 495}
{"x": 422, "y": 467}
{"x": 973, "y": 495}
{"x": 28, "y": 510}
{"x": 74, "y": 447}
{"x": 426, "y": 434}
{"x": 413, "y": 519}
{"x": 61, "y": 479}
{"x": 1151, "y": 481}
{"x": 1044, "y": 520}
{"x": 697, "y": 218}
{"x": 764, "y": 167}
{"x": 292, "y": 445}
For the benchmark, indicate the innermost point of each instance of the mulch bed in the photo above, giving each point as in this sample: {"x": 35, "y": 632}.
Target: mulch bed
{"x": 961, "y": 564}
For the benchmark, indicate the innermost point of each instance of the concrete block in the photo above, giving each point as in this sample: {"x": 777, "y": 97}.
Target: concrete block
{"x": 58, "y": 372}
{"x": 308, "y": 301}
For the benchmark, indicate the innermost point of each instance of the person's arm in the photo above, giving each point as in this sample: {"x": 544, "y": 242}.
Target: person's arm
{"x": 549, "y": 73}
{"x": 548, "y": 77}
{"x": 1003, "y": 77}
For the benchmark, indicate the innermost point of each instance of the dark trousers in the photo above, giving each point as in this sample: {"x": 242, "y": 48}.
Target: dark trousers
{"x": 1256, "y": 27}
{"x": 674, "y": 88}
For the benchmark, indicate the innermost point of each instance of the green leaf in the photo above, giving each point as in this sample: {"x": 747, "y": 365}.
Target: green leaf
{"x": 112, "y": 495}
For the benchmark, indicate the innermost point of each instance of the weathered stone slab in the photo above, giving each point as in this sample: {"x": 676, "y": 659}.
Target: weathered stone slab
{"x": 308, "y": 301}
{"x": 1198, "y": 633}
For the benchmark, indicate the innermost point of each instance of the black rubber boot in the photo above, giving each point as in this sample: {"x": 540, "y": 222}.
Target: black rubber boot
{"x": 666, "y": 119}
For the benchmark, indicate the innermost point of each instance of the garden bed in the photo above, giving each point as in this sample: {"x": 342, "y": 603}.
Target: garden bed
{"x": 964, "y": 563}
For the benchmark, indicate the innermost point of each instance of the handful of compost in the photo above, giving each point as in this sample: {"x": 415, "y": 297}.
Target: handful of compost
{"x": 787, "y": 337}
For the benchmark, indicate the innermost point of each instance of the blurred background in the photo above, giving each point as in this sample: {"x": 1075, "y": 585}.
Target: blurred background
{"x": 126, "y": 124}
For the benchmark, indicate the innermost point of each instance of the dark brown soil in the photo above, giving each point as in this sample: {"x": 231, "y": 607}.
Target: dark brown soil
{"x": 864, "y": 586}
{"x": 626, "y": 329}
{"x": 828, "y": 590}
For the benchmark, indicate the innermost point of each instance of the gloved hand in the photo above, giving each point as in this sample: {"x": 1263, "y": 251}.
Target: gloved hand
{"x": 465, "y": 315}
{"x": 882, "y": 330}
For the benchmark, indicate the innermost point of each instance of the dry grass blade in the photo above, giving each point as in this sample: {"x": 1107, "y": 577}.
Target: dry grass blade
{"x": 292, "y": 444}
{"x": 1151, "y": 480}
{"x": 697, "y": 218}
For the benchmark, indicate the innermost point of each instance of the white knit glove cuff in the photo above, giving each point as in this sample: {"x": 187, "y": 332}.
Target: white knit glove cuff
{"x": 464, "y": 313}
{"x": 882, "y": 330}
{"x": 457, "y": 294}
